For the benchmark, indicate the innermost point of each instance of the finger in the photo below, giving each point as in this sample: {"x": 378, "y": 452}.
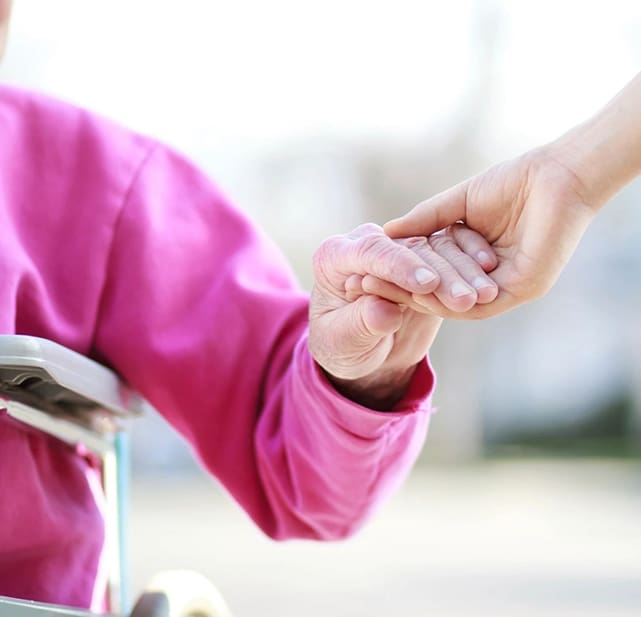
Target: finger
{"x": 429, "y": 216}
{"x": 394, "y": 292}
{"x": 388, "y": 291}
{"x": 379, "y": 317}
{"x": 357, "y": 286}
{"x": 468, "y": 269}
{"x": 353, "y": 287}
{"x": 503, "y": 276}
{"x": 475, "y": 245}
{"x": 431, "y": 304}
{"x": 453, "y": 291}
{"x": 376, "y": 254}
{"x": 502, "y": 303}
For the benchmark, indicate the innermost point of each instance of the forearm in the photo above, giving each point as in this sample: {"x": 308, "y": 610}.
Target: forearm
{"x": 327, "y": 463}
{"x": 605, "y": 151}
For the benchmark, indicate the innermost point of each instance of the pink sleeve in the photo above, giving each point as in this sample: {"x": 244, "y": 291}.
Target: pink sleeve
{"x": 201, "y": 314}
{"x": 121, "y": 250}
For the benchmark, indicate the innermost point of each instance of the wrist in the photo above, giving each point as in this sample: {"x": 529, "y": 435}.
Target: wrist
{"x": 579, "y": 152}
{"x": 604, "y": 152}
{"x": 381, "y": 390}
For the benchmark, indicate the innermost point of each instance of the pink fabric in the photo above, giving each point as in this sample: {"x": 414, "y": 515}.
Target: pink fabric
{"x": 119, "y": 248}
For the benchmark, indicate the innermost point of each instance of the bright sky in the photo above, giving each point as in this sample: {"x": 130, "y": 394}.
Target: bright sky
{"x": 227, "y": 82}
{"x": 245, "y": 69}
{"x": 250, "y": 72}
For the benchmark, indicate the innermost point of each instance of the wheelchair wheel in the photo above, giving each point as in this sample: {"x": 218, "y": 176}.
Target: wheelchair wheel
{"x": 180, "y": 593}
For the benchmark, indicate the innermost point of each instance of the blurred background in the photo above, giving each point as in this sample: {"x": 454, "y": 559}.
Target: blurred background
{"x": 315, "y": 117}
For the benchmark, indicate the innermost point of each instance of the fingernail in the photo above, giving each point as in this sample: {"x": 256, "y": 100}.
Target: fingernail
{"x": 481, "y": 282}
{"x": 424, "y": 276}
{"x": 458, "y": 290}
{"x": 484, "y": 257}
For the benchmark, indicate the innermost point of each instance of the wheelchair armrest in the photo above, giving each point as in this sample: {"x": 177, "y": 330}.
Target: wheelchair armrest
{"x": 60, "y": 381}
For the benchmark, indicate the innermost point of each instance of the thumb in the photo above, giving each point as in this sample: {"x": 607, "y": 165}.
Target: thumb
{"x": 355, "y": 340}
{"x": 431, "y": 215}
{"x": 375, "y": 317}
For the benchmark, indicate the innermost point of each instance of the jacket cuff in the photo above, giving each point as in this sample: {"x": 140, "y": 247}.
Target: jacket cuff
{"x": 354, "y": 417}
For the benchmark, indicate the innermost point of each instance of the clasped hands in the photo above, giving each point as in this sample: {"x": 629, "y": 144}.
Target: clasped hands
{"x": 379, "y": 293}
{"x": 373, "y": 306}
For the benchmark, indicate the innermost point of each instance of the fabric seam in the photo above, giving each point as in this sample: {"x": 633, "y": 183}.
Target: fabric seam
{"x": 116, "y": 226}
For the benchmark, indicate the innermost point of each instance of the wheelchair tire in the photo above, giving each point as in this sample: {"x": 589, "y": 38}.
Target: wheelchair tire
{"x": 180, "y": 593}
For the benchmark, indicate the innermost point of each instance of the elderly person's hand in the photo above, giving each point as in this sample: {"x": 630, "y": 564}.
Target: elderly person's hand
{"x": 367, "y": 339}
{"x": 534, "y": 209}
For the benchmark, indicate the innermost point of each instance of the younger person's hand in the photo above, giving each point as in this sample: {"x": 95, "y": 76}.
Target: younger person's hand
{"x": 535, "y": 208}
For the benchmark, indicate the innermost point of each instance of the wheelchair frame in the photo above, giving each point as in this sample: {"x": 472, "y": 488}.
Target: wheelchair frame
{"x": 55, "y": 390}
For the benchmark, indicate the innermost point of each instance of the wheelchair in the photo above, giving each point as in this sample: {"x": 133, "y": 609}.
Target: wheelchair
{"x": 72, "y": 398}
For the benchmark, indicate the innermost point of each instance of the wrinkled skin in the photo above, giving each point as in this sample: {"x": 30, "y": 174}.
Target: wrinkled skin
{"x": 365, "y": 331}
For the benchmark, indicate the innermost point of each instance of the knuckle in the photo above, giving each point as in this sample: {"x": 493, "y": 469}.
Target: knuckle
{"x": 366, "y": 229}
{"x": 375, "y": 243}
{"x": 415, "y": 242}
{"x": 326, "y": 252}
{"x": 462, "y": 263}
{"x": 440, "y": 242}
{"x": 381, "y": 255}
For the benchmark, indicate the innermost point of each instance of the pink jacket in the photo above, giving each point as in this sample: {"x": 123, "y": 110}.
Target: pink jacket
{"x": 119, "y": 248}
